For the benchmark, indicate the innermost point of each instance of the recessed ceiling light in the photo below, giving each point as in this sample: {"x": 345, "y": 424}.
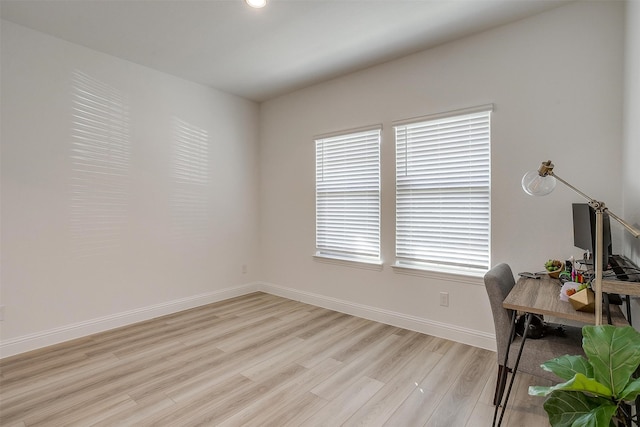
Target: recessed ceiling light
{"x": 256, "y": 3}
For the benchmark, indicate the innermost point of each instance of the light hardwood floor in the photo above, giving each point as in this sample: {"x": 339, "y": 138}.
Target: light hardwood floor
{"x": 259, "y": 360}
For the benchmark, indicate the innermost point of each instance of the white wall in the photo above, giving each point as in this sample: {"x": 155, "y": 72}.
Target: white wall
{"x": 631, "y": 145}
{"x": 60, "y": 283}
{"x": 556, "y": 82}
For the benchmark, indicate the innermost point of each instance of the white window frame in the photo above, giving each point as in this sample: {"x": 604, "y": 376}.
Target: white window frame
{"x": 443, "y": 192}
{"x": 348, "y": 195}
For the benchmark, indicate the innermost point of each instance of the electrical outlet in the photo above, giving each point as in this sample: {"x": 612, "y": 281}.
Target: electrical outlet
{"x": 244, "y": 268}
{"x": 444, "y": 299}
{"x": 1, "y": 313}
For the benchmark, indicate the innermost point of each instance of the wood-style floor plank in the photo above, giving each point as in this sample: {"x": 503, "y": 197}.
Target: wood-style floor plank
{"x": 378, "y": 410}
{"x": 259, "y": 360}
{"x": 458, "y": 403}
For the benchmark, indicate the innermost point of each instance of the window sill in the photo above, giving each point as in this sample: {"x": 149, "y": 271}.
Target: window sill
{"x": 468, "y": 276}
{"x": 349, "y": 262}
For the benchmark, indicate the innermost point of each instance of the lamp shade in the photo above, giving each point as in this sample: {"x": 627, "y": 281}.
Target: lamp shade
{"x": 536, "y": 185}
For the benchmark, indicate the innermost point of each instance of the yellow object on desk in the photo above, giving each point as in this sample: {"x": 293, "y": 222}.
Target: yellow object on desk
{"x": 540, "y": 296}
{"x": 584, "y": 300}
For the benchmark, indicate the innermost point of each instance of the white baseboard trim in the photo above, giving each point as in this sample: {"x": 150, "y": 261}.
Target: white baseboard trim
{"x": 61, "y": 334}
{"x": 426, "y": 326}
{"x": 58, "y": 335}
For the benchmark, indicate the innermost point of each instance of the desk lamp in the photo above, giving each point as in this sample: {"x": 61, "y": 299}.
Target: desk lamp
{"x": 541, "y": 183}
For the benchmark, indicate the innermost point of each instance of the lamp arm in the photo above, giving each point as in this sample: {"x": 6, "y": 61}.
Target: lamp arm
{"x": 546, "y": 169}
{"x": 597, "y": 282}
{"x": 599, "y": 206}
{"x": 575, "y": 189}
{"x": 630, "y": 228}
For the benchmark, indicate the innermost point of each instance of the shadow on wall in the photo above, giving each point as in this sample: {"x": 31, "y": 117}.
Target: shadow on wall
{"x": 100, "y": 158}
{"x": 190, "y": 198}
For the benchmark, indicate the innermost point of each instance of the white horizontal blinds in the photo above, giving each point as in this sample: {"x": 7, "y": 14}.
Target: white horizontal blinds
{"x": 443, "y": 191}
{"x": 348, "y": 195}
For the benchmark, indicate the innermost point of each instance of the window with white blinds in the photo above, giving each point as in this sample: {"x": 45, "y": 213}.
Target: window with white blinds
{"x": 443, "y": 191}
{"x": 348, "y": 195}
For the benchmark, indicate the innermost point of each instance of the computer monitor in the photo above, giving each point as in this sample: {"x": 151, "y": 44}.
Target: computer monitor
{"x": 584, "y": 231}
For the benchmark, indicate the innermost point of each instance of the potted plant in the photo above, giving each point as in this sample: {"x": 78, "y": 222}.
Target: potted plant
{"x": 598, "y": 390}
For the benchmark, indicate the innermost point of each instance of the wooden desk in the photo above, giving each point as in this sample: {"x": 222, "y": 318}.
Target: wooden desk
{"x": 542, "y": 296}
{"x": 621, "y": 287}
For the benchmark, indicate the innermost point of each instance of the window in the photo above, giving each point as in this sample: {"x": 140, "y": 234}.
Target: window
{"x": 348, "y": 195}
{"x": 443, "y": 192}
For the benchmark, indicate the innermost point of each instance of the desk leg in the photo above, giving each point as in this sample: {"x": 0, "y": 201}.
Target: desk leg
{"x": 515, "y": 366}
{"x": 502, "y": 374}
{"x": 607, "y": 309}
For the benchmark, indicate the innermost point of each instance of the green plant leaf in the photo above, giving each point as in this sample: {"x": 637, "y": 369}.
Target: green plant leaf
{"x": 578, "y": 383}
{"x": 567, "y": 366}
{"x": 598, "y": 417}
{"x": 631, "y": 391}
{"x": 614, "y": 353}
{"x": 569, "y": 408}
{"x": 536, "y": 390}
{"x": 591, "y": 397}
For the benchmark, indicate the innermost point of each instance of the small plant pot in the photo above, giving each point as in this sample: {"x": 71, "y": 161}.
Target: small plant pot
{"x": 555, "y": 274}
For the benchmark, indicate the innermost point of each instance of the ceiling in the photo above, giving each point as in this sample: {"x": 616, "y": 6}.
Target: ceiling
{"x": 259, "y": 54}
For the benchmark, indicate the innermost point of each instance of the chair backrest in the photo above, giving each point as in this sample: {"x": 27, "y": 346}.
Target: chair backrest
{"x": 498, "y": 282}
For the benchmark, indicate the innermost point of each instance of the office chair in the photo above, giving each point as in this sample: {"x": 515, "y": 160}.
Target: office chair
{"x": 498, "y": 282}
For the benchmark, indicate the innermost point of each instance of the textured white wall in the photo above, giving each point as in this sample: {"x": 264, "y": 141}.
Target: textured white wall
{"x": 556, "y": 82}
{"x": 631, "y": 150}
{"x": 170, "y": 241}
